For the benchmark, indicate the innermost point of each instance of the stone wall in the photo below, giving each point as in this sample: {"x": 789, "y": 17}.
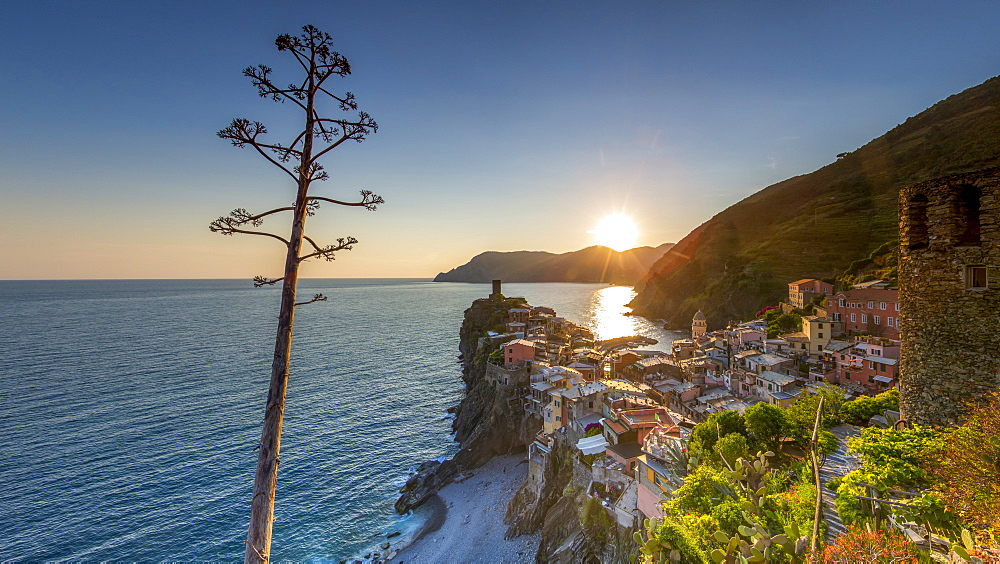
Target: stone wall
{"x": 949, "y": 231}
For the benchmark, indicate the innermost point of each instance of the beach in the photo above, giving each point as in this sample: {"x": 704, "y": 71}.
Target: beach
{"x": 467, "y": 525}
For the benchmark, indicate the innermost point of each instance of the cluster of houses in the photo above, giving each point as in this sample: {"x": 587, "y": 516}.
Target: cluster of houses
{"x": 629, "y": 410}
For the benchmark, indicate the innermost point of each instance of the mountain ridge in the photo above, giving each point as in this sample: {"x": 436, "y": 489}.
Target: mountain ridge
{"x": 590, "y": 264}
{"x": 816, "y": 224}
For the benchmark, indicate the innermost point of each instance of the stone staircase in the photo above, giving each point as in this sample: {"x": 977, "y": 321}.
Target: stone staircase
{"x": 837, "y": 464}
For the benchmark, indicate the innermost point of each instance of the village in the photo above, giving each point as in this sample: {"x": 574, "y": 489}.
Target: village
{"x": 629, "y": 411}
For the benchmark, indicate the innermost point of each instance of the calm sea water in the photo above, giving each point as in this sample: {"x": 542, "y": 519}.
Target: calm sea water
{"x": 129, "y": 410}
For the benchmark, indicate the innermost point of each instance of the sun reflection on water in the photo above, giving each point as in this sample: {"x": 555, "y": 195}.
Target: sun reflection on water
{"x": 607, "y": 309}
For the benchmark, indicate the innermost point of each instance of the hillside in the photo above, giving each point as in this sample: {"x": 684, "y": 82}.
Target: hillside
{"x": 593, "y": 264}
{"x": 816, "y": 225}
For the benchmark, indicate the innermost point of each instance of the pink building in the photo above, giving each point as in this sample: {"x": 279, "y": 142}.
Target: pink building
{"x": 874, "y": 373}
{"x": 518, "y": 352}
{"x": 801, "y": 292}
{"x": 872, "y": 311}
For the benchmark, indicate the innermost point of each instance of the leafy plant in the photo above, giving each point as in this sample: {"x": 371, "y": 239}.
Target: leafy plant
{"x": 860, "y": 410}
{"x": 966, "y": 467}
{"x": 766, "y": 423}
{"x": 860, "y": 545}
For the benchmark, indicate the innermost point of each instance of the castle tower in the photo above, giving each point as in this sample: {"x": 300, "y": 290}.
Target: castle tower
{"x": 496, "y": 295}
{"x": 698, "y": 325}
{"x": 949, "y": 290}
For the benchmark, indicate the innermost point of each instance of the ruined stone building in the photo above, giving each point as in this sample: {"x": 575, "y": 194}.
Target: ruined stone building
{"x": 949, "y": 288}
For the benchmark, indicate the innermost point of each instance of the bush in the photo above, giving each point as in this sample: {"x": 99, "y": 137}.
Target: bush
{"x": 859, "y": 545}
{"x": 673, "y": 537}
{"x": 708, "y": 432}
{"x": 593, "y": 429}
{"x": 966, "y": 466}
{"x": 766, "y": 423}
{"x": 596, "y": 522}
{"x": 731, "y": 447}
{"x": 703, "y": 489}
{"x": 893, "y": 457}
{"x": 859, "y": 411}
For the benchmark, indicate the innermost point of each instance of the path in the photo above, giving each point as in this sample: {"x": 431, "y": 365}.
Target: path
{"x": 837, "y": 464}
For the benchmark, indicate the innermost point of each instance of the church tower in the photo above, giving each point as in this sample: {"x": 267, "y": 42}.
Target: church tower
{"x": 698, "y": 325}
{"x": 949, "y": 292}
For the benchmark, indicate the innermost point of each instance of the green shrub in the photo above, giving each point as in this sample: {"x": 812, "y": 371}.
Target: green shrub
{"x": 860, "y": 410}
{"x": 766, "y": 423}
{"x": 707, "y": 433}
{"x": 731, "y": 447}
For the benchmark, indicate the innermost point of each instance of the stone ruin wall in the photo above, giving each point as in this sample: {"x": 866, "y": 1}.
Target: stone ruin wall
{"x": 950, "y": 353}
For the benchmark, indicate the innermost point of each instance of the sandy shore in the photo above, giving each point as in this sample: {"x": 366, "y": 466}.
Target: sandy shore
{"x": 472, "y": 528}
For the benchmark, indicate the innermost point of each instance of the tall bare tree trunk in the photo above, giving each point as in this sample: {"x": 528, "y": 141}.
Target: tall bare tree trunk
{"x": 258, "y": 542}
{"x": 312, "y": 53}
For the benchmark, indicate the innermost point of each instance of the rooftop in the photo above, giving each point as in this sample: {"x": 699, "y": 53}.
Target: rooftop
{"x": 774, "y": 377}
{"x": 626, "y": 450}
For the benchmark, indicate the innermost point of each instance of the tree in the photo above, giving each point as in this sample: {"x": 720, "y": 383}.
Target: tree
{"x": 299, "y": 160}
{"x": 708, "y": 432}
{"x": 766, "y": 423}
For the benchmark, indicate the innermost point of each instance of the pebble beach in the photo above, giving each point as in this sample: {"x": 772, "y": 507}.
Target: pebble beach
{"x": 468, "y": 521}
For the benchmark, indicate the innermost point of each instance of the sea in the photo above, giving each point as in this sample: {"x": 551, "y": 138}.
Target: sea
{"x": 130, "y": 409}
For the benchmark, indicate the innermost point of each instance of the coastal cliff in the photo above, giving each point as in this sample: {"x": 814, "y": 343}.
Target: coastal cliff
{"x": 488, "y": 421}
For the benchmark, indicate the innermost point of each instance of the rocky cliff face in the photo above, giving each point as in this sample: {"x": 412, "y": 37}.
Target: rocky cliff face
{"x": 489, "y": 421}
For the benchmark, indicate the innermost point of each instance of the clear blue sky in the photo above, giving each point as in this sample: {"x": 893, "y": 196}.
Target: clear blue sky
{"x": 503, "y": 125}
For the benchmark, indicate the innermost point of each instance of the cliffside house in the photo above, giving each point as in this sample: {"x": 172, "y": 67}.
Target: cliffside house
{"x": 519, "y": 352}
{"x": 870, "y": 311}
{"x": 776, "y": 389}
{"x": 801, "y": 292}
{"x": 816, "y": 332}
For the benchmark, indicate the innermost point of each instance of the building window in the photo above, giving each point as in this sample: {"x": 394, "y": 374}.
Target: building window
{"x": 864, "y": 318}
{"x": 871, "y": 305}
{"x": 820, "y": 335}
{"x": 871, "y": 364}
{"x": 876, "y": 318}
{"x": 881, "y": 305}
{"x": 854, "y": 317}
{"x": 975, "y": 277}
{"x": 889, "y": 321}
{"x": 558, "y": 418}
{"x": 842, "y": 302}
{"x": 821, "y": 326}
{"x": 557, "y": 403}
{"x": 968, "y": 211}
{"x": 897, "y": 306}
{"x": 916, "y": 223}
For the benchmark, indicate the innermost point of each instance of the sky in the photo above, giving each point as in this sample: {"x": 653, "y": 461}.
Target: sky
{"x": 514, "y": 125}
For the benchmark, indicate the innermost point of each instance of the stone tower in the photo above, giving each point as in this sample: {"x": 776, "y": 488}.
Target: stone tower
{"x": 698, "y": 325}
{"x": 949, "y": 290}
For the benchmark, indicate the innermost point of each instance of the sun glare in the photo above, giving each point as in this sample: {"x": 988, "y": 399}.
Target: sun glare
{"x": 616, "y": 231}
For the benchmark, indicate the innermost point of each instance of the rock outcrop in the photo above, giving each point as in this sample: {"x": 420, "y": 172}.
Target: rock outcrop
{"x": 489, "y": 421}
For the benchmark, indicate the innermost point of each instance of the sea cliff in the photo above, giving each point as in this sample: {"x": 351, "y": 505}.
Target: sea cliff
{"x": 488, "y": 421}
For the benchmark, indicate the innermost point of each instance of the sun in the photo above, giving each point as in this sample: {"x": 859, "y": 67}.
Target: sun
{"x": 617, "y": 231}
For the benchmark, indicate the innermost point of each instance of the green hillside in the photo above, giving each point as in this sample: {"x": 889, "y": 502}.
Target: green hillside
{"x": 592, "y": 264}
{"x": 815, "y": 225}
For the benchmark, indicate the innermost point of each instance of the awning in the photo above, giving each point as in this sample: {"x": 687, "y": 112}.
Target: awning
{"x": 592, "y": 445}
{"x": 883, "y": 379}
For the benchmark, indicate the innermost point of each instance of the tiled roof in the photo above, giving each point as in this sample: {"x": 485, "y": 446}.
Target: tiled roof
{"x": 616, "y": 427}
